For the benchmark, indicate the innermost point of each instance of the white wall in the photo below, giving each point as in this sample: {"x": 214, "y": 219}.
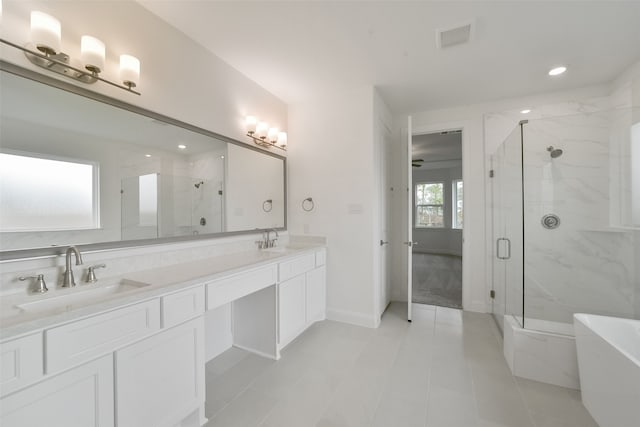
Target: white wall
{"x": 331, "y": 159}
{"x": 439, "y": 240}
{"x": 252, "y": 178}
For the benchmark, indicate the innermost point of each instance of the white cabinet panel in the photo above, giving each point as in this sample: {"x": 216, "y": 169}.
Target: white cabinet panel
{"x": 160, "y": 380}
{"x": 297, "y": 266}
{"x": 292, "y": 308}
{"x": 224, "y": 291}
{"x": 21, "y": 363}
{"x": 81, "y": 397}
{"x": 321, "y": 257}
{"x": 316, "y": 295}
{"x": 74, "y": 343}
{"x": 181, "y": 306}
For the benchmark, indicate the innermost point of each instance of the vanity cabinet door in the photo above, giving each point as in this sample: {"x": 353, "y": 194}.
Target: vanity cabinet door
{"x": 80, "y": 397}
{"x": 160, "y": 380}
{"x": 316, "y": 295}
{"x": 21, "y": 363}
{"x": 292, "y": 309}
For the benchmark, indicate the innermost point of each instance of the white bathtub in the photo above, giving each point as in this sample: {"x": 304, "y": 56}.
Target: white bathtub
{"x": 609, "y": 366}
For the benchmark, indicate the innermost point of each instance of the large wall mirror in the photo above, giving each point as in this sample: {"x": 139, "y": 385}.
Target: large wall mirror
{"x": 78, "y": 168}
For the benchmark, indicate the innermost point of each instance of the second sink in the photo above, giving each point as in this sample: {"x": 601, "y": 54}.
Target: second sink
{"x": 75, "y": 297}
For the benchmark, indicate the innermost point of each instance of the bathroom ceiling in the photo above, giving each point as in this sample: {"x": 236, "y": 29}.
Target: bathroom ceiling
{"x": 300, "y": 49}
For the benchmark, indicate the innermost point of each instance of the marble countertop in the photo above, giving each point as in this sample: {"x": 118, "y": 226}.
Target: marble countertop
{"x": 142, "y": 285}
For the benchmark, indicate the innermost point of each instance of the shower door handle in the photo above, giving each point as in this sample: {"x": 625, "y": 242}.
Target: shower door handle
{"x": 503, "y": 239}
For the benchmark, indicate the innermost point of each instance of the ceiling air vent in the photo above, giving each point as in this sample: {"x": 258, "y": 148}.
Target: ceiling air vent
{"x": 456, "y": 35}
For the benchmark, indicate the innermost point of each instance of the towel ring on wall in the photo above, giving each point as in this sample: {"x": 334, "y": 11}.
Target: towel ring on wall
{"x": 308, "y": 205}
{"x": 267, "y": 205}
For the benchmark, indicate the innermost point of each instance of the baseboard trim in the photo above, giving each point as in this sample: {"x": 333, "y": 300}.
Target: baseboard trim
{"x": 258, "y": 352}
{"x": 352, "y": 317}
{"x": 477, "y": 307}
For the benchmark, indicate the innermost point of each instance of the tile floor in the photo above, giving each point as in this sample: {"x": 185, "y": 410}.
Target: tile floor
{"x": 445, "y": 369}
{"x": 437, "y": 280}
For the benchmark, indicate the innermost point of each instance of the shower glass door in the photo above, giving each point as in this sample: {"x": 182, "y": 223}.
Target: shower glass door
{"x": 582, "y": 241}
{"x": 508, "y": 229}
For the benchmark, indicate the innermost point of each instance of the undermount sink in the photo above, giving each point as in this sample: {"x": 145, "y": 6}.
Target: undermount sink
{"x": 79, "y": 296}
{"x": 280, "y": 249}
{"x": 284, "y": 249}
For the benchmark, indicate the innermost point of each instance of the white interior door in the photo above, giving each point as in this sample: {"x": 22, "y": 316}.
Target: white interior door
{"x": 409, "y": 202}
{"x": 385, "y": 219}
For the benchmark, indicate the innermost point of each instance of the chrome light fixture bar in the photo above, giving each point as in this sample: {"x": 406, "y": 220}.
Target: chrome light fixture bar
{"x": 59, "y": 63}
{"x": 264, "y": 136}
{"x": 45, "y": 51}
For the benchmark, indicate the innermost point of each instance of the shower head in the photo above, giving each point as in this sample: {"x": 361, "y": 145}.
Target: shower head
{"x": 198, "y": 184}
{"x": 554, "y": 152}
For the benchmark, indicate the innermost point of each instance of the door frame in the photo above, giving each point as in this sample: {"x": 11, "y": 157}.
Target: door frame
{"x": 436, "y": 127}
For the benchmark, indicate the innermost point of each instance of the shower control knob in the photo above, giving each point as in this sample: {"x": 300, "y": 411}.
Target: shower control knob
{"x": 550, "y": 221}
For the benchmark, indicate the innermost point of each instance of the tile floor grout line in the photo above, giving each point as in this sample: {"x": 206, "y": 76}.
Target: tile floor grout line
{"x": 480, "y": 355}
{"x": 433, "y": 335}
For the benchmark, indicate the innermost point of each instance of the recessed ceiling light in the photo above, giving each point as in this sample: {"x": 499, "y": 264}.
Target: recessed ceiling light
{"x": 147, "y": 155}
{"x": 182, "y": 146}
{"x": 527, "y": 111}
{"x": 557, "y": 71}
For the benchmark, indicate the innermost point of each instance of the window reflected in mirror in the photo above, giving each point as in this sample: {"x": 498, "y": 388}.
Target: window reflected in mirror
{"x": 78, "y": 171}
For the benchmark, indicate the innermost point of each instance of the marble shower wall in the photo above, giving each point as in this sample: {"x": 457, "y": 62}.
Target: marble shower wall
{"x": 588, "y": 263}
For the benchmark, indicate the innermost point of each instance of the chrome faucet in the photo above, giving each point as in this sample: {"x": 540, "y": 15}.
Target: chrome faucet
{"x": 266, "y": 242}
{"x": 271, "y": 243}
{"x": 67, "y": 277}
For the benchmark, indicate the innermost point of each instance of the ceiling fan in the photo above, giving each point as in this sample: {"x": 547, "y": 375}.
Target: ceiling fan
{"x": 416, "y": 163}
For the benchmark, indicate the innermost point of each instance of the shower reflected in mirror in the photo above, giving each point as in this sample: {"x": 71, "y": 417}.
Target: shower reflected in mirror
{"x": 554, "y": 152}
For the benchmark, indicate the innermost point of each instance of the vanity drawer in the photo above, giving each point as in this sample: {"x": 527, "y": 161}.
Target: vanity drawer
{"x": 297, "y": 266}
{"x": 183, "y": 305}
{"x": 321, "y": 258}
{"x": 21, "y": 363}
{"x": 226, "y": 290}
{"x": 70, "y": 345}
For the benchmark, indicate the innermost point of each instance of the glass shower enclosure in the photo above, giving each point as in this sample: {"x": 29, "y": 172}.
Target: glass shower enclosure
{"x": 566, "y": 220}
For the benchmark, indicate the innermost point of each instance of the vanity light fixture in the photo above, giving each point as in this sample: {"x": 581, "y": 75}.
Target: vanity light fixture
{"x": 45, "y": 50}
{"x": 182, "y": 146}
{"x": 265, "y": 136}
{"x": 526, "y": 111}
{"x": 92, "y": 54}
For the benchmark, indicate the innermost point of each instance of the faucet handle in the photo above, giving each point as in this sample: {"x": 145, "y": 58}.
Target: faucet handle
{"x": 91, "y": 274}
{"x": 40, "y": 286}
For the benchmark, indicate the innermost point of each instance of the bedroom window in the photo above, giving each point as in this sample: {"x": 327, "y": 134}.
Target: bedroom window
{"x": 429, "y": 204}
